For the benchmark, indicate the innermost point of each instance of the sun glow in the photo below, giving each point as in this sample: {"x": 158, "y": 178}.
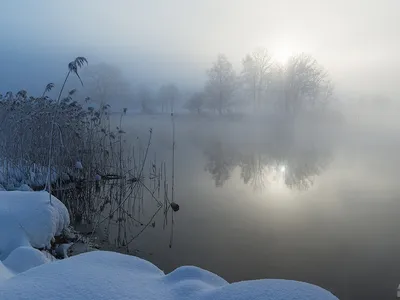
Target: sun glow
{"x": 282, "y": 55}
{"x": 274, "y": 177}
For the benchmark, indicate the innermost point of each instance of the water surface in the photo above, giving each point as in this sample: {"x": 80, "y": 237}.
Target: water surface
{"x": 310, "y": 200}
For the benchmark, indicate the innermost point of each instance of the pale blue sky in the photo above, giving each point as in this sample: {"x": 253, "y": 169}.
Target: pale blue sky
{"x": 176, "y": 40}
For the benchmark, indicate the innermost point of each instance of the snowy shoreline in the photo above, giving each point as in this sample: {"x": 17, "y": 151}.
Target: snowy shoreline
{"x": 28, "y": 222}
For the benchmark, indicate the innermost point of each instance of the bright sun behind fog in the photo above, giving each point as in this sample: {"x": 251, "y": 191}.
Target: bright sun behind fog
{"x": 282, "y": 55}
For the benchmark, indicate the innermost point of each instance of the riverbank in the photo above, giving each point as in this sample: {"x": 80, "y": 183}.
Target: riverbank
{"x": 30, "y": 224}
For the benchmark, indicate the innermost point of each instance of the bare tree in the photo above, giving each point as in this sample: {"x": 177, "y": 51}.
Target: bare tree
{"x": 105, "y": 83}
{"x": 167, "y": 97}
{"x": 145, "y": 98}
{"x": 305, "y": 84}
{"x": 195, "y": 102}
{"x": 221, "y": 84}
{"x": 255, "y": 75}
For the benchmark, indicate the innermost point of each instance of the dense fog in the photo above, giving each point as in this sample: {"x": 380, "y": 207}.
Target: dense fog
{"x": 156, "y": 43}
{"x": 275, "y": 122}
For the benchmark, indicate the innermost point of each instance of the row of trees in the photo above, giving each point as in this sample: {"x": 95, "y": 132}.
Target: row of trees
{"x": 300, "y": 83}
{"x": 164, "y": 101}
{"x": 107, "y": 84}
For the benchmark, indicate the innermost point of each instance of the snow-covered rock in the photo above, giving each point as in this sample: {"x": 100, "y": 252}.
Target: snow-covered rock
{"x": 24, "y": 258}
{"x": 29, "y": 219}
{"x": 107, "y": 275}
{"x": 62, "y": 250}
{"x": 12, "y": 236}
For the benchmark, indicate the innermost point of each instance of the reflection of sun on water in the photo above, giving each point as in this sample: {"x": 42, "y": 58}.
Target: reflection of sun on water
{"x": 278, "y": 196}
{"x": 274, "y": 177}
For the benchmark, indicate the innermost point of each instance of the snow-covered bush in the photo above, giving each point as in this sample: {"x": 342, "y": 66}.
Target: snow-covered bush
{"x": 25, "y": 124}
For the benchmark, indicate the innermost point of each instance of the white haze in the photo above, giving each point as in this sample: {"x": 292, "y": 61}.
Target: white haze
{"x": 176, "y": 40}
{"x": 340, "y": 231}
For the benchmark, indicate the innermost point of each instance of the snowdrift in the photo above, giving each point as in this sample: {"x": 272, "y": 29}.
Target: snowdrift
{"x": 28, "y": 219}
{"x": 109, "y": 275}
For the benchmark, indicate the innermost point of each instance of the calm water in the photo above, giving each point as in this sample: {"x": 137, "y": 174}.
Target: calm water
{"x": 311, "y": 201}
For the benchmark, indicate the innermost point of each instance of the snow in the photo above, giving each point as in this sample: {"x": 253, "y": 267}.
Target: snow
{"x": 108, "y": 275}
{"x": 23, "y": 259}
{"x": 29, "y": 219}
{"x": 24, "y": 188}
{"x": 78, "y": 165}
{"x": 14, "y": 177}
{"x": 4, "y": 272}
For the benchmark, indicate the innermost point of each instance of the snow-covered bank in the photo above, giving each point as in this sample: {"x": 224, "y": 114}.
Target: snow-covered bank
{"x": 20, "y": 177}
{"x": 28, "y": 220}
{"x": 108, "y": 275}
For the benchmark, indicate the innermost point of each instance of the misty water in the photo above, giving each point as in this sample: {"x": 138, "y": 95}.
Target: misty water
{"x": 314, "y": 199}
{"x": 294, "y": 177}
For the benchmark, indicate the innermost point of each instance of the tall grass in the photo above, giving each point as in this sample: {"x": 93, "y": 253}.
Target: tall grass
{"x": 78, "y": 153}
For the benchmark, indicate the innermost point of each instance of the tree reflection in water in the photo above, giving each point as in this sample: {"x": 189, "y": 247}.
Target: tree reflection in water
{"x": 220, "y": 162}
{"x": 296, "y": 164}
{"x": 252, "y": 170}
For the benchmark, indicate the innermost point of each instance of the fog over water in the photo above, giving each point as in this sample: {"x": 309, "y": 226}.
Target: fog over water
{"x": 315, "y": 201}
{"x": 286, "y": 125}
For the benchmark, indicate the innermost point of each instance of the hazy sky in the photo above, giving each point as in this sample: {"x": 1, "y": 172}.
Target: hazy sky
{"x": 176, "y": 40}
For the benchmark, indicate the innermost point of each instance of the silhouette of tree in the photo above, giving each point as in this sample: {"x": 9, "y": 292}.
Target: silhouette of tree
{"x": 304, "y": 84}
{"x": 255, "y": 75}
{"x": 195, "y": 103}
{"x": 221, "y": 84}
{"x": 167, "y": 97}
